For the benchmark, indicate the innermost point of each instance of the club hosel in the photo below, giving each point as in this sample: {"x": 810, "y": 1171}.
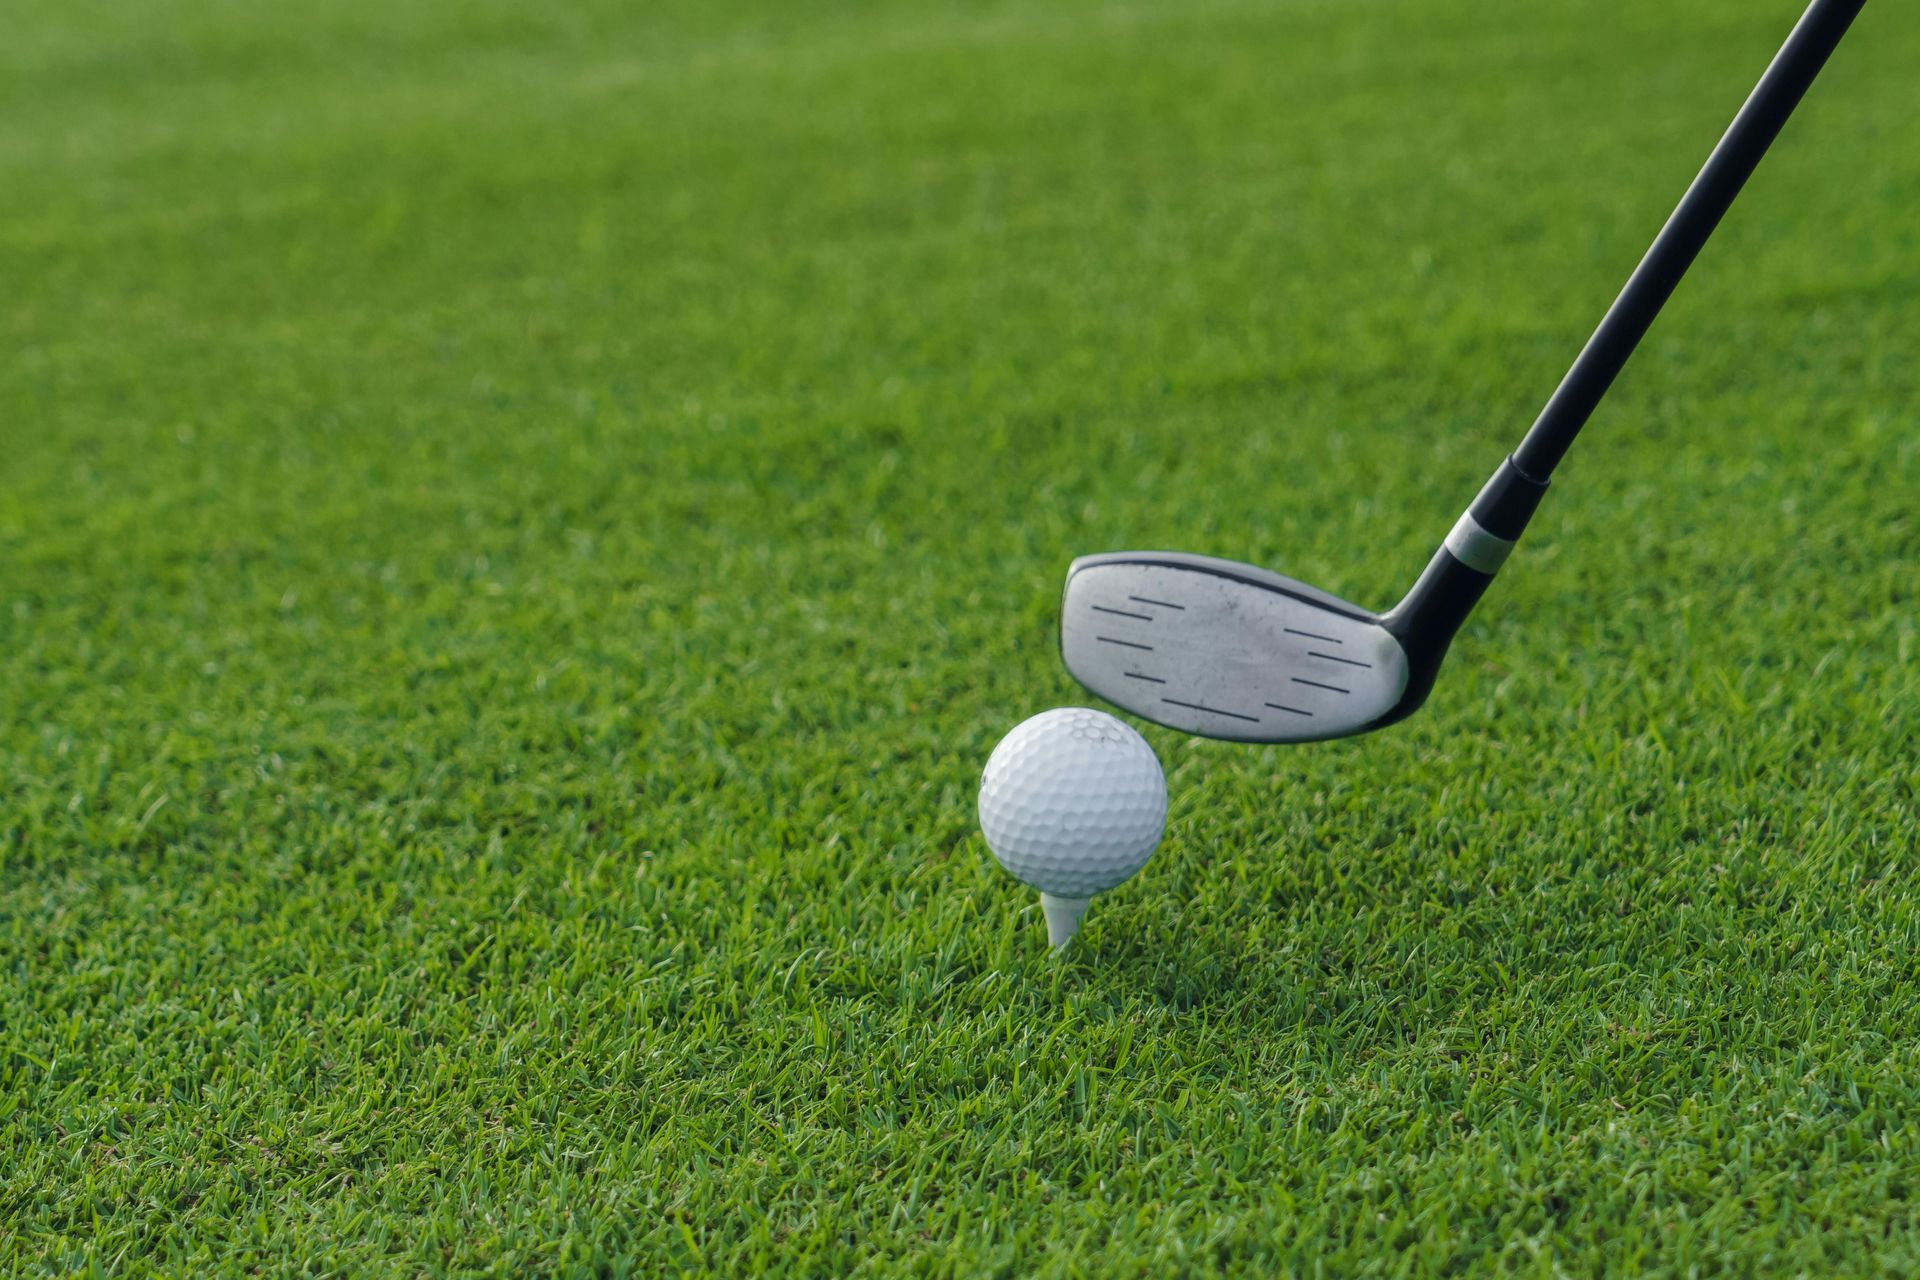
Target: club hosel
{"x": 1459, "y": 574}
{"x": 1501, "y": 509}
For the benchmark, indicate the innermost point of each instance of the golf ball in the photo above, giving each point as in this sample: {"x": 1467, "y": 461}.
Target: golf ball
{"x": 1073, "y": 802}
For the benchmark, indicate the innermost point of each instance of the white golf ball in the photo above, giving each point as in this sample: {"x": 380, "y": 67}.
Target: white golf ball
{"x": 1073, "y": 802}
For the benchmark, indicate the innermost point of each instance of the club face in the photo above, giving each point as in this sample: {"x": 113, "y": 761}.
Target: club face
{"x": 1226, "y": 650}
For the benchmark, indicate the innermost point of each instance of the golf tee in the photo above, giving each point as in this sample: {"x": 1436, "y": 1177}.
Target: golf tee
{"x": 1063, "y": 918}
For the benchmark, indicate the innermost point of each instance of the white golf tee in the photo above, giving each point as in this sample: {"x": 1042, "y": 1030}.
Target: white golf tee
{"x": 1063, "y": 918}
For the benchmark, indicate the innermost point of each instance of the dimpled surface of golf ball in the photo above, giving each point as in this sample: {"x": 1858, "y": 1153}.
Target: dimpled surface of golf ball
{"x": 1073, "y": 802}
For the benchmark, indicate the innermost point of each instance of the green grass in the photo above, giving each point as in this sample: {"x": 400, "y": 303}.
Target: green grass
{"x": 520, "y": 524}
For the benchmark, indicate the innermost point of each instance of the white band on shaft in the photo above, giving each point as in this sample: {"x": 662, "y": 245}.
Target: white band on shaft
{"x": 1475, "y": 548}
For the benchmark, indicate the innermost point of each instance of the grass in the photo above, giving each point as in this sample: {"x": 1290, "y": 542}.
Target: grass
{"x": 519, "y": 526}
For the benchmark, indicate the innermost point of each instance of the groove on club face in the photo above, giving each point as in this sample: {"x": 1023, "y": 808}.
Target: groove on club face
{"x": 1226, "y": 650}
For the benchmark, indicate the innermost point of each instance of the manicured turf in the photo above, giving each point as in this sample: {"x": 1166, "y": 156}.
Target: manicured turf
{"x": 520, "y": 524}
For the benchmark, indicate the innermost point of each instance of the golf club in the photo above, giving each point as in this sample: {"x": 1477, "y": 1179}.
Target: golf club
{"x": 1228, "y": 650}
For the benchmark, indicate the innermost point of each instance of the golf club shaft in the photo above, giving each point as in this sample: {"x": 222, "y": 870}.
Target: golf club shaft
{"x": 1693, "y": 220}
{"x": 1459, "y": 573}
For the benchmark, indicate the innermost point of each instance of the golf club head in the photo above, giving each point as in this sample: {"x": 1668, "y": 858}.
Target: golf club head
{"x": 1228, "y": 650}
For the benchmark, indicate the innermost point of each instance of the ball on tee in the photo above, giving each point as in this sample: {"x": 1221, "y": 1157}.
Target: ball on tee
{"x": 1073, "y": 802}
